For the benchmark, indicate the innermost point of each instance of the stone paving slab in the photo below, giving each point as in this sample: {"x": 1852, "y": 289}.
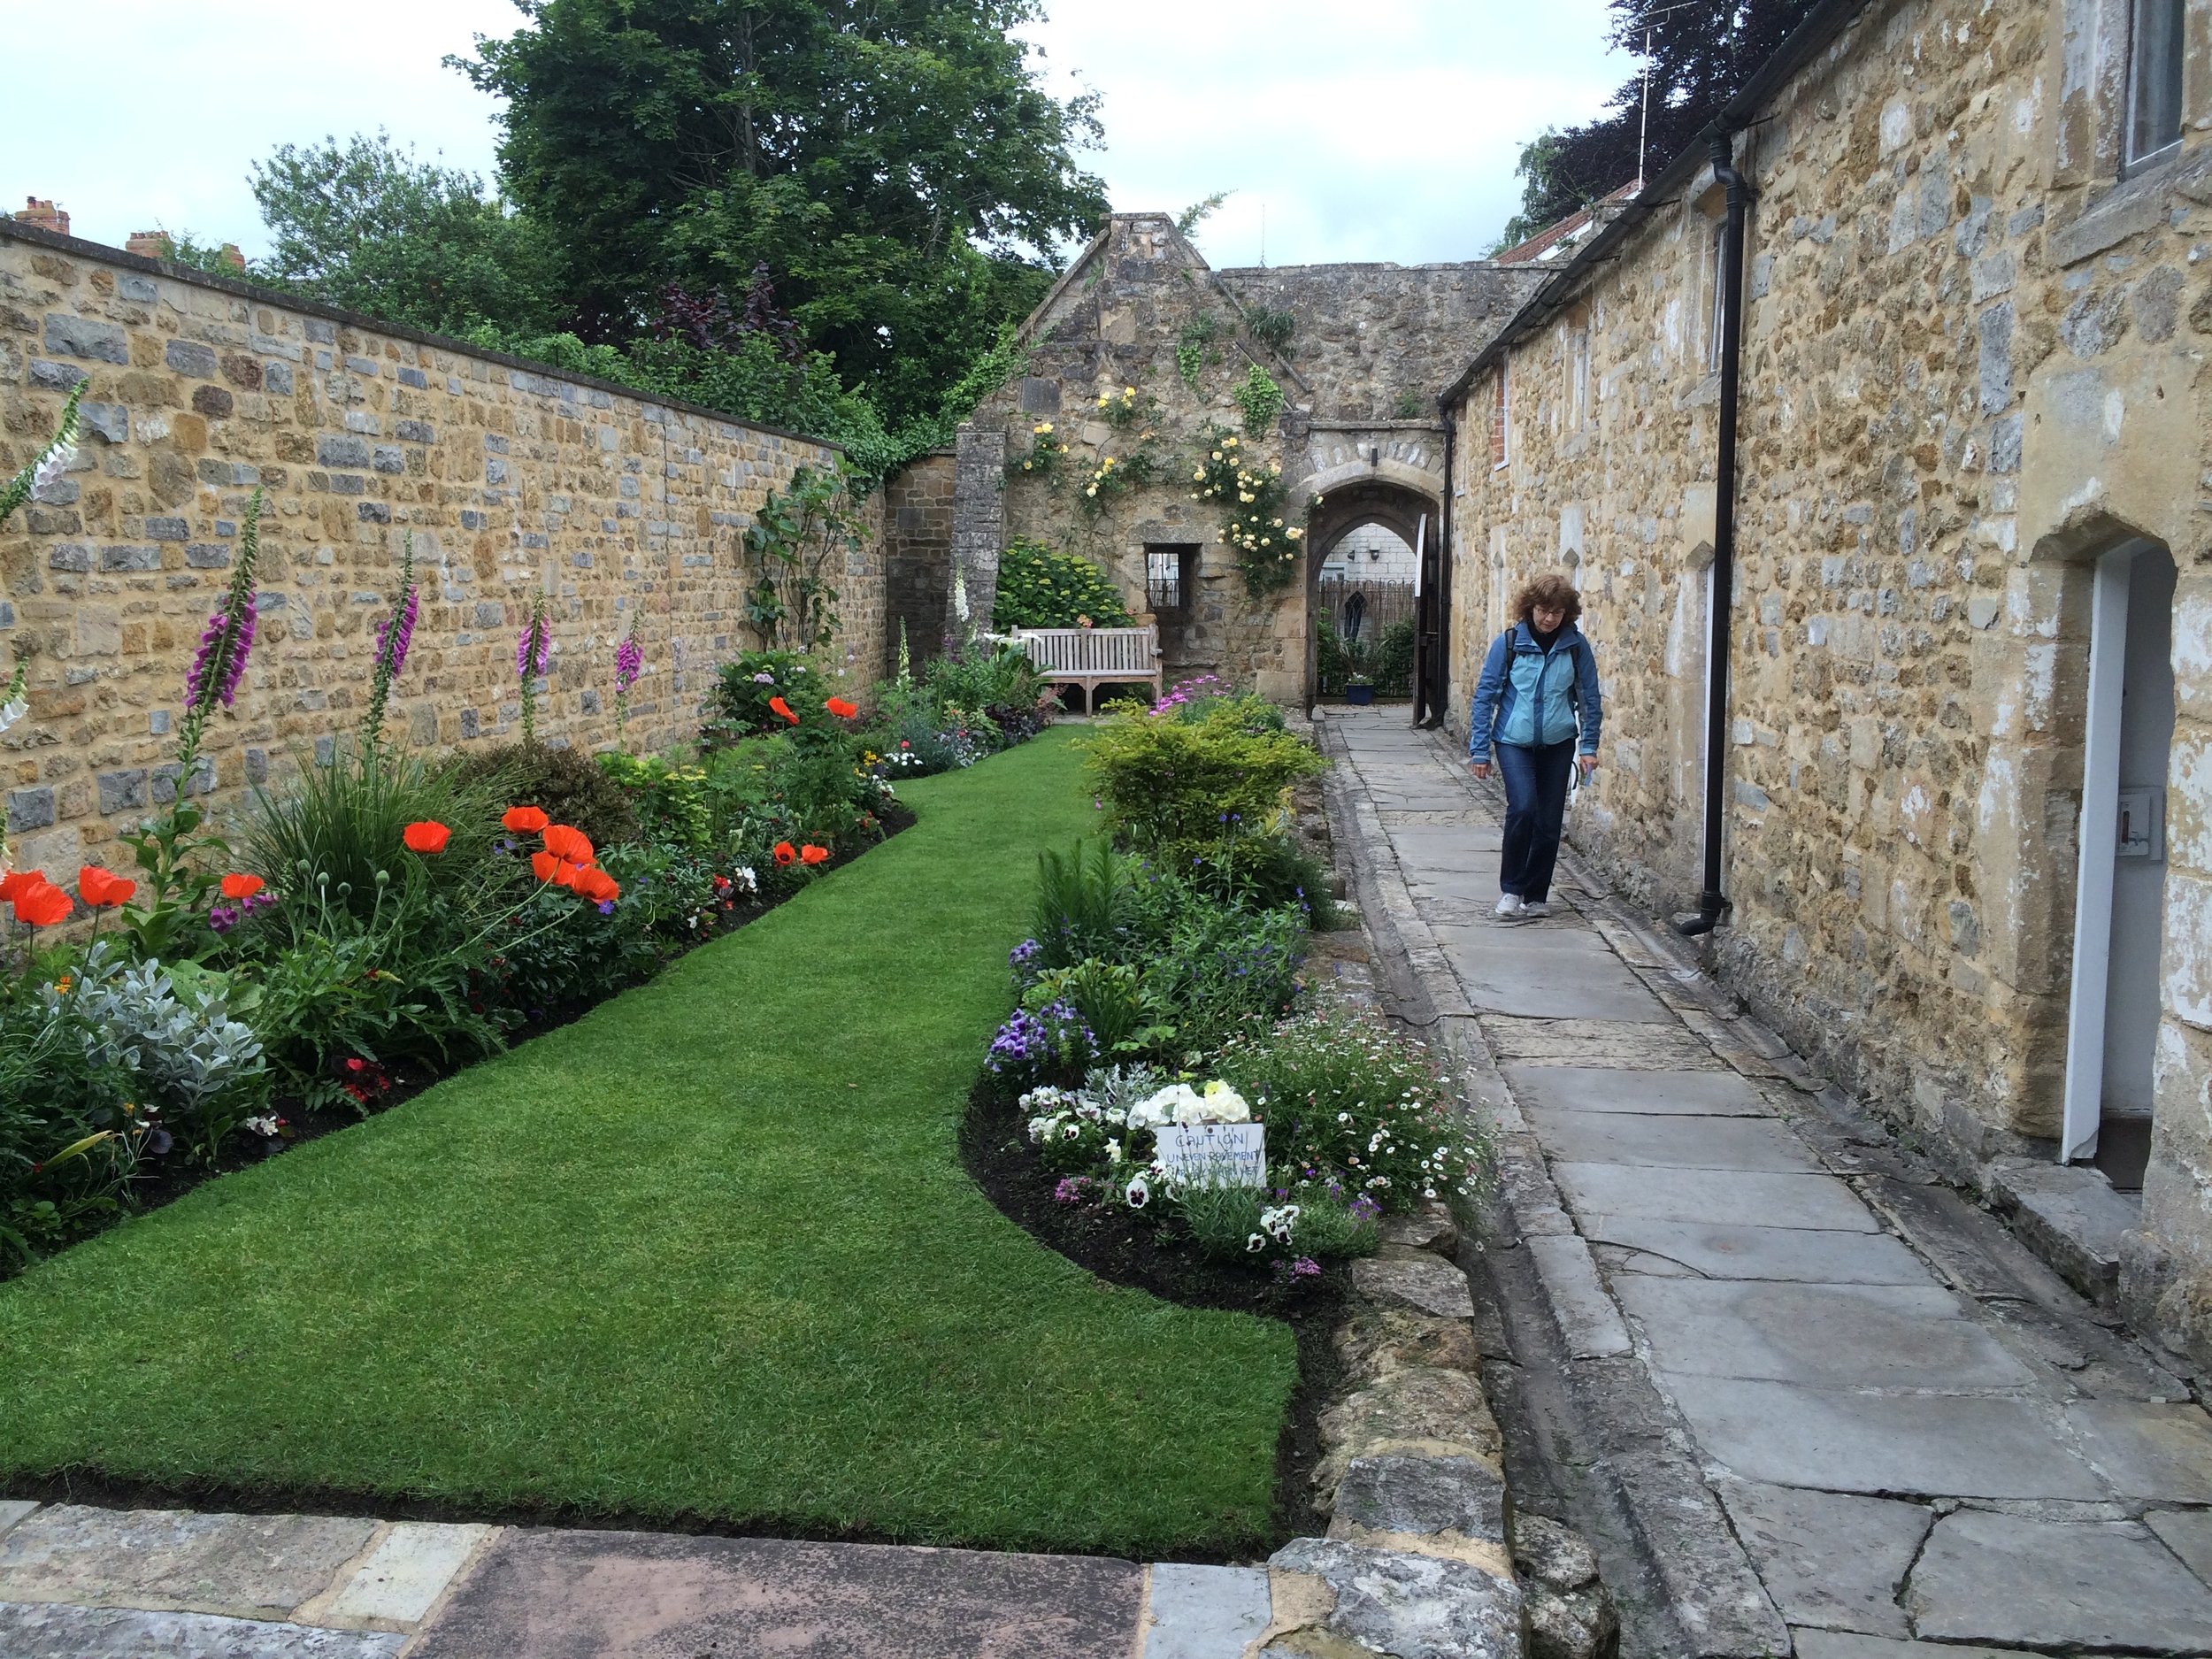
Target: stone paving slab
{"x": 1830, "y": 1336}
{"x": 1588, "y": 1318}
{"x": 1540, "y": 985}
{"x": 1587, "y": 1089}
{"x": 1590, "y": 1042}
{"x": 1721, "y": 1250}
{"x": 1829, "y": 1559}
{"x": 2188, "y": 1533}
{"x": 1514, "y": 941}
{"x": 58, "y": 1631}
{"x": 1835, "y": 1644}
{"x": 558, "y": 1594}
{"x": 247, "y": 1565}
{"x": 1204, "y": 1612}
{"x": 1672, "y": 1142}
{"x": 2162, "y": 1452}
{"x": 2017, "y": 1580}
{"x": 1973, "y": 1446}
{"x": 1748, "y": 1197}
{"x": 403, "y": 1575}
{"x": 11, "y": 1510}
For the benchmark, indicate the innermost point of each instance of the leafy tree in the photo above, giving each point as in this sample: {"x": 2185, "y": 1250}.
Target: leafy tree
{"x": 894, "y": 163}
{"x": 367, "y": 226}
{"x": 1700, "y": 54}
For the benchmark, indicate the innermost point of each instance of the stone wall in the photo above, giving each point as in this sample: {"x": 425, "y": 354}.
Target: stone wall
{"x": 1375, "y": 339}
{"x": 916, "y": 554}
{"x": 511, "y": 479}
{"x": 1973, "y": 362}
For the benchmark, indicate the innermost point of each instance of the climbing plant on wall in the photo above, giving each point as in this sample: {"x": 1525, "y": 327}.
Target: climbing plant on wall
{"x": 1261, "y": 401}
{"x": 1250, "y": 495}
{"x": 802, "y": 533}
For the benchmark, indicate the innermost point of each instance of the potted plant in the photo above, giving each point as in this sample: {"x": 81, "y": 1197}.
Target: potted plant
{"x": 1359, "y": 689}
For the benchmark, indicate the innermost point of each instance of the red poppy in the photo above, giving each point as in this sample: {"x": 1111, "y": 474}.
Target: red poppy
{"x": 565, "y": 876}
{"x": 237, "y": 886}
{"x": 785, "y": 853}
{"x": 813, "y": 854}
{"x": 597, "y": 885}
{"x": 784, "y": 708}
{"x": 104, "y": 889}
{"x": 544, "y": 865}
{"x": 429, "y": 836}
{"x": 41, "y": 904}
{"x": 525, "y": 820}
{"x": 841, "y": 709}
{"x": 16, "y": 880}
{"x": 569, "y": 844}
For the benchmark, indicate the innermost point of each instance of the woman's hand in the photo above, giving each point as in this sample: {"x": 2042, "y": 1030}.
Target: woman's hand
{"x": 1588, "y": 763}
{"x": 1482, "y": 768}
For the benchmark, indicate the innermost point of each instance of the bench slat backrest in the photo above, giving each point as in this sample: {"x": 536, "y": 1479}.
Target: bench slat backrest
{"x": 1089, "y": 651}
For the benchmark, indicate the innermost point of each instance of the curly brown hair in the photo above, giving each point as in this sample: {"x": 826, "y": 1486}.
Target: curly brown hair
{"x": 1547, "y": 590}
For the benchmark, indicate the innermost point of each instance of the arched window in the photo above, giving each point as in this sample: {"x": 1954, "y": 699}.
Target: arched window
{"x": 2154, "y": 124}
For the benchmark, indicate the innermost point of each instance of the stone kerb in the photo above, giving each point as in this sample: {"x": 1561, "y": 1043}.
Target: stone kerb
{"x": 513, "y": 481}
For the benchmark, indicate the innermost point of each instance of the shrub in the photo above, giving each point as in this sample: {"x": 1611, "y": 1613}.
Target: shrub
{"x": 1201, "y": 699}
{"x": 984, "y": 682}
{"x": 749, "y": 684}
{"x": 1039, "y": 587}
{"x": 1169, "y": 784}
{"x": 1223, "y": 970}
{"x": 669, "y": 801}
{"x": 564, "y": 783}
{"x": 1265, "y": 871}
{"x": 1346, "y": 1099}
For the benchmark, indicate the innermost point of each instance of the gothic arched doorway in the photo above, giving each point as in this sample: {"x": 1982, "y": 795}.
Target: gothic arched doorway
{"x": 1365, "y": 540}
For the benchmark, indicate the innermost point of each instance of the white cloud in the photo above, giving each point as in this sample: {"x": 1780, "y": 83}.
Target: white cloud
{"x": 1383, "y": 131}
{"x": 154, "y": 112}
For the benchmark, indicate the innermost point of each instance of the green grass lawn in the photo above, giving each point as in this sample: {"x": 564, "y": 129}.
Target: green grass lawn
{"x": 706, "y": 1253}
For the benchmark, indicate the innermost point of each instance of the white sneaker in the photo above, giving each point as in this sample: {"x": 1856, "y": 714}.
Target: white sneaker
{"x": 1539, "y": 908}
{"x": 1510, "y": 905}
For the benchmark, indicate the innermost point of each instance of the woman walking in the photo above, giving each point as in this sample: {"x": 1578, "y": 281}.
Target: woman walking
{"x": 1538, "y": 705}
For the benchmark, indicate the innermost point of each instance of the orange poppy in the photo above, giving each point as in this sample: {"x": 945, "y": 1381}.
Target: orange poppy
{"x": 813, "y": 854}
{"x": 16, "y": 880}
{"x": 565, "y": 876}
{"x": 238, "y": 886}
{"x": 566, "y": 843}
{"x": 785, "y": 853}
{"x": 784, "y": 708}
{"x": 597, "y": 885}
{"x": 41, "y": 904}
{"x": 525, "y": 820}
{"x": 429, "y": 836}
{"x": 841, "y": 709}
{"x": 104, "y": 889}
{"x": 544, "y": 865}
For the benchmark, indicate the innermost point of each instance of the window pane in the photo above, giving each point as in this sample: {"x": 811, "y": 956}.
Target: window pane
{"x": 2154, "y": 77}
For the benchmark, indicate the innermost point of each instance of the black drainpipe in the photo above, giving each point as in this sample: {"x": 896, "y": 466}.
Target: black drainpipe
{"x": 1432, "y": 673}
{"x": 1713, "y": 903}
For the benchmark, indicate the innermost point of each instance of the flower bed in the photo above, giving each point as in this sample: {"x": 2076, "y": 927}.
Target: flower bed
{"x": 385, "y": 918}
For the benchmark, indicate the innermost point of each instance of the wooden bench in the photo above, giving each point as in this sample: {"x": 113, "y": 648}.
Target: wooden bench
{"x": 1092, "y": 658}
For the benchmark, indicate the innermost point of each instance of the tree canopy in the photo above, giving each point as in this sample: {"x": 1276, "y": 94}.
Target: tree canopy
{"x": 1700, "y": 54}
{"x": 894, "y": 163}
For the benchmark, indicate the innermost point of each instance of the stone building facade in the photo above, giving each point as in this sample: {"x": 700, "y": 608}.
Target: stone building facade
{"x": 513, "y": 480}
{"x": 1353, "y": 350}
{"x": 1972, "y": 609}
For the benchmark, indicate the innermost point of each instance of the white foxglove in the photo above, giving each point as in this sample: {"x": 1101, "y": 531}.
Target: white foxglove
{"x": 57, "y": 463}
{"x": 10, "y": 712}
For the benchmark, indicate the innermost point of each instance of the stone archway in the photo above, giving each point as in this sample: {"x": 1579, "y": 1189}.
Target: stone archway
{"x": 1368, "y": 496}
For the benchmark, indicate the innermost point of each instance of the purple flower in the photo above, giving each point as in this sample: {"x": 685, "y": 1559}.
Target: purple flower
{"x": 1073, "y": 1190}
{"x": 223, "y": 918}
{"x": 629, "y": 663}
{"x": 203, "y": 663}
{"x": 1023, "y": 954}
{"x": 393, "y": 636}
{"x": 532, "y": 651}
{"x": 606, "y": 907}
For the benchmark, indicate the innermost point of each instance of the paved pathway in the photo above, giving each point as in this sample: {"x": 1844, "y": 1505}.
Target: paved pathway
{"x": 83, "y": 1583}
{"x": 1913, "y": 1432}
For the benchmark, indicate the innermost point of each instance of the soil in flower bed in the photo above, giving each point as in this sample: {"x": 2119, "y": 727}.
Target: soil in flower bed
{"x": 165, "y": 1178}
{"x": 1134, "y": 1250}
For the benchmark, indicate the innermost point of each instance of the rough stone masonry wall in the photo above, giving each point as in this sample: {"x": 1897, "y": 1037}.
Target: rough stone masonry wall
{"x": 512, "y": 482}
{"x": 916, "y": 554}
{"x": 1973, "y": 362}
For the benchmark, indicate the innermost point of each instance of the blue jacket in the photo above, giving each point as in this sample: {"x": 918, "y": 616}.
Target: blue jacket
{"x": 1532, "y": 698}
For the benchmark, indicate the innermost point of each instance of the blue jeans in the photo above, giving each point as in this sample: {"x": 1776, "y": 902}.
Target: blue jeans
{"x": 1535, "y": 812}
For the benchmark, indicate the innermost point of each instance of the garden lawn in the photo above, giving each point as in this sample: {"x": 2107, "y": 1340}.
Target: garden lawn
{"x": 706, "y": 1255}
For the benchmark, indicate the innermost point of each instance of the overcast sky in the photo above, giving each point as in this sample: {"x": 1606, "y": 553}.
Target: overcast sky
{"x": 1385, "y": 130}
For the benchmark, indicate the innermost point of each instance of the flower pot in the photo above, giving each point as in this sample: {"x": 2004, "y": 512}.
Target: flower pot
{"x": 1359, "y": 697}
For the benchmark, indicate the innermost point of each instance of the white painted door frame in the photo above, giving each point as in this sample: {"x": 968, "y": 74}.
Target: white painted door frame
{"x": 2099, "y": 840}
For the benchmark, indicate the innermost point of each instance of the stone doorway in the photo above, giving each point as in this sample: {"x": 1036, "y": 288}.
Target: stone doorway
{"x": 1360, "y": 564}
{"x": 2120, "y": 893}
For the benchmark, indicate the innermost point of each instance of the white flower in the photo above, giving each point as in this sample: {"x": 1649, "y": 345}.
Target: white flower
{"x": 10, "y": 712}
{"x": 1113, "y": 1152}
{"x": 1139, "y": 1193}
{"x": 1256, "y": 1242}
{"x": 53, "y": 466}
